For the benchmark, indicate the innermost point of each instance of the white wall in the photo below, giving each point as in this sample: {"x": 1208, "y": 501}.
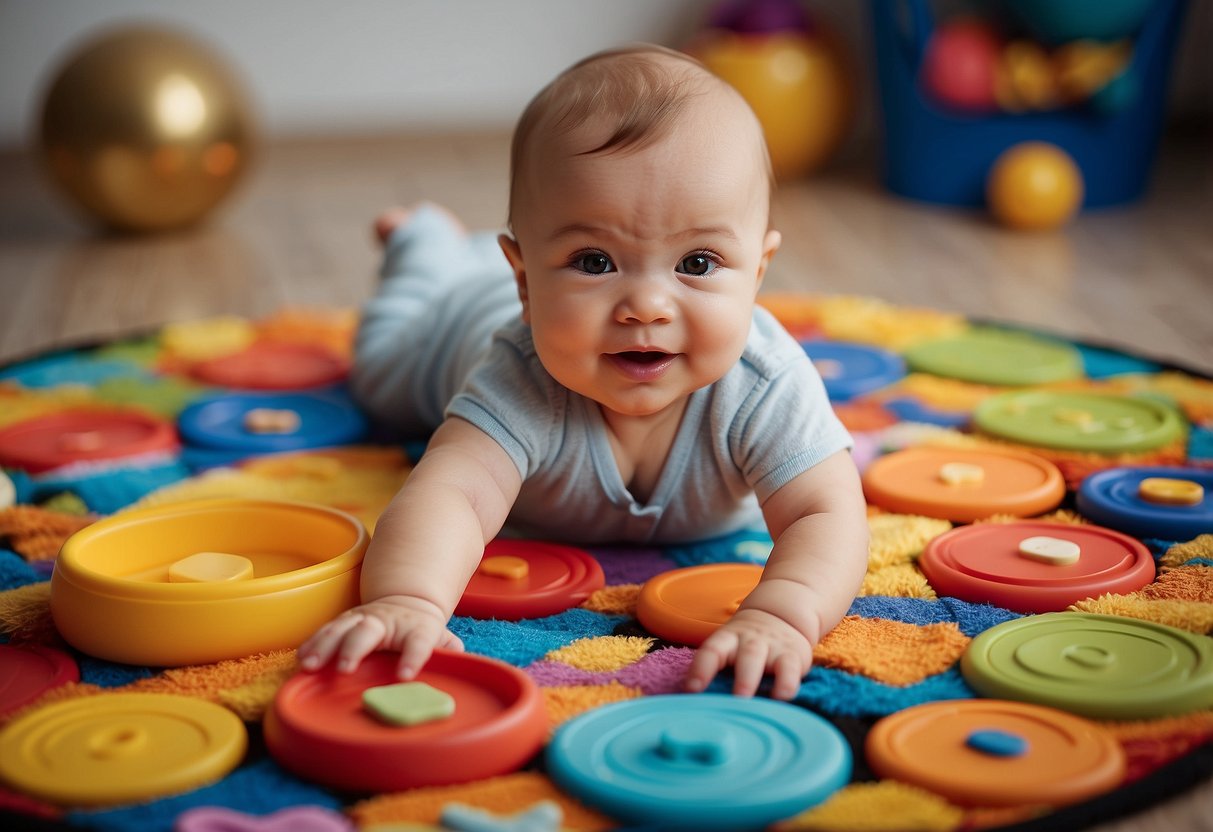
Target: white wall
{"x": 357, "y": 66}
{"x": 332, "y": 66}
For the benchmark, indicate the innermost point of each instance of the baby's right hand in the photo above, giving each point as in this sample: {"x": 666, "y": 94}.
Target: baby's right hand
{"x": 410, "y": 625}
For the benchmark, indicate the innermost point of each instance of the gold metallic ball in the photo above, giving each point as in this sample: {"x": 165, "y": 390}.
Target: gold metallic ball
{"x": 145, "y": 129}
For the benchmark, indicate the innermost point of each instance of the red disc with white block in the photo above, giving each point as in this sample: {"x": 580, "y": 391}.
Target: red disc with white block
{"x": 529, "y": 579}
{"x": 1031, "y": 566}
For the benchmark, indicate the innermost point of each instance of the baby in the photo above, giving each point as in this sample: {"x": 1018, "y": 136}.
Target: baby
{"x": 622, "y": 386}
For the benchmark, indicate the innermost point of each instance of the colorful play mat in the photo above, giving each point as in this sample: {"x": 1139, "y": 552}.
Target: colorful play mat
{"x": 1031, "y": 648}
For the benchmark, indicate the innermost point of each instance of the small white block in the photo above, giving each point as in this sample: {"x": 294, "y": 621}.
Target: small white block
{"x": 1051, "y": 550}
{"x": 961, "y": 473}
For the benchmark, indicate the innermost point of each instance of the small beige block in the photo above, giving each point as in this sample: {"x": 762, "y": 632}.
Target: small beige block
{"x": 210, "y": 567}
{"x": 8, "y": 491}
{"x": 961, "y": 473}
{"x": 1170, "y": 492}
{"x": 1051, "y": 550}
{"x": 269, "y": 420}
{"x": 828, "y": 368}
{"x": 505, "y": 566}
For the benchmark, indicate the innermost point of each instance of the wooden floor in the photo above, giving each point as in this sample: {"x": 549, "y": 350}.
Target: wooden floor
{"x": 297, "y": 232}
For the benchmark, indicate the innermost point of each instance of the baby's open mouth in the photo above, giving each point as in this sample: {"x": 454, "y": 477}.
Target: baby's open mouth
{"x": 646, "y": 357}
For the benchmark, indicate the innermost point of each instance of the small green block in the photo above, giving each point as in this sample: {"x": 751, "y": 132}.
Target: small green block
{"x": 407, "y": 703}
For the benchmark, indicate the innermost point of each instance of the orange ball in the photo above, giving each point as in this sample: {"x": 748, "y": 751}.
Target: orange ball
{"x": 1033, "y": 186}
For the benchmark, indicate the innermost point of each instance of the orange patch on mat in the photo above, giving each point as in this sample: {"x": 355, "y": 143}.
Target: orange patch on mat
{"x": 892, "y": 652}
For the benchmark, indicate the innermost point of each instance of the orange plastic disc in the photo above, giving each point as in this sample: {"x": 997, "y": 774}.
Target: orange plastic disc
{"x": 1061, "y": 758}
{"x": 319, "y": 729}
{"x": 687, "y": 605}
{"x": 557, "y": 578}
{"x": 1011, "y": 482}
{"x": 983, "y": 564}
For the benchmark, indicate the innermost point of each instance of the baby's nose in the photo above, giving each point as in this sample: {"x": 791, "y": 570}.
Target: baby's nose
{"x": 645, "y": 301}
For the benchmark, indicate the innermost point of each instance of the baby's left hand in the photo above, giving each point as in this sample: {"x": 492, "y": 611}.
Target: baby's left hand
{"x": 753, "y": 642}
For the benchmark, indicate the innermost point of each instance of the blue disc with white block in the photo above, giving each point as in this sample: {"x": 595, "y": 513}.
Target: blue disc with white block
{"x": 851, "y": 370}
{"x": 262, "y": 423}
{"x": 700, "y": 761}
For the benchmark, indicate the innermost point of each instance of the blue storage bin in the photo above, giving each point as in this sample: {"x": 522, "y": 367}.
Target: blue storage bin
{"x": 938, "y": 155}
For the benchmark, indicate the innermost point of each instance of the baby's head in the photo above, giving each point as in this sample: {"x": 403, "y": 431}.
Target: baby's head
{"x": 639, "y": 203}
{"x": 621, "y": 99}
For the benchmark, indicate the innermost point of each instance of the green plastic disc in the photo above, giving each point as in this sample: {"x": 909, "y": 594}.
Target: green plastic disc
{"x": 1001, "y": 357}
{"x": 1100, "y": 666}
{"x": 1097, "y": 422}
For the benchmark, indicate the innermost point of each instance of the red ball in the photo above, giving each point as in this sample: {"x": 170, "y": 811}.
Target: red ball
{"x": 960, "y": 64}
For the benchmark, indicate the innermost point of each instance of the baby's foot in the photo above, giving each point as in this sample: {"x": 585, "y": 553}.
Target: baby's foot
{"x": 393, "y": 218}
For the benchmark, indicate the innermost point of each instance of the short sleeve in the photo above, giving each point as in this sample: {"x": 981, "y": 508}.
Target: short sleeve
{"x": 510, "y": 397}
{"x": 785, "y": 425}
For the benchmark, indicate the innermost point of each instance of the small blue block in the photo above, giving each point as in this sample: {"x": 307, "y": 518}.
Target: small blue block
{"x": 997, "y": 743}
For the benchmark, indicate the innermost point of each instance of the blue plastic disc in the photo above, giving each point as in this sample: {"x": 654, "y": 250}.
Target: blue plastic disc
{"x": 700, "y": 761}
{"x": 912, "y": 410}
{"x": 850, "y": 370}
{"x": 324, "y": 419}
{"x": 1110, "y": 499}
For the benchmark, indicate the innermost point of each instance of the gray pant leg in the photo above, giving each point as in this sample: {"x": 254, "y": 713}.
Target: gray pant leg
{"x": 442, "y": 296}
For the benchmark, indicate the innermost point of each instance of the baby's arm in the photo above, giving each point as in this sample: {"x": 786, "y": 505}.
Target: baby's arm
{"x": 819, "y": 524}
{"x": 426, "y": 548}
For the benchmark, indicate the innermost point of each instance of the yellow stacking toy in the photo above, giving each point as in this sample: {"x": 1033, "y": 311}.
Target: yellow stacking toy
{"x": 206, "y": 580}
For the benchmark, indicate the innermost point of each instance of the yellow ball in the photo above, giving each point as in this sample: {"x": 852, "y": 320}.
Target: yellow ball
{"x": 1034, "y": 185}
{"x": 145, "y": 129}
{"x": 798, "y": 87}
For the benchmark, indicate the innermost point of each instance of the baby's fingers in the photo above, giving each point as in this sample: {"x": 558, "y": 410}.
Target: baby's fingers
{"x": 788, "y": 675}
{"x": 751, "y": 664}
{"x": 713, "y": 655}
{"x": 316, "y": 651}
{"x": 359, "y": 642}
{"x": 415, "y": 652}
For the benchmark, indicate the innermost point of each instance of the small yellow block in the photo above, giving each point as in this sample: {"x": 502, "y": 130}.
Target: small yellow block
{"x": 505, "y": 566}
{"x": 210, "y": 567}
{"x": 1069, "y": 416}
{"x": 962, "y": 473}
{"x": 269, "y": 420}
{"x": 1051, "y": 550}
{"x": 1170, "y": 492}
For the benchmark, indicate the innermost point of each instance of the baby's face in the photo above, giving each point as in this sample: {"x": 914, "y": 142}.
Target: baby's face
{"x": 638, "y": 269}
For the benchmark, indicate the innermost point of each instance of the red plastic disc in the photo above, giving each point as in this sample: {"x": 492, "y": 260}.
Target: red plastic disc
{"x": 28, "y": 672}
{"x": 267, "y": 365}
{"x": 982, "y": 564}
{"x": 558, "y": 577}
{"x": 318, "y": 729}
{"x": 58, "y": 439}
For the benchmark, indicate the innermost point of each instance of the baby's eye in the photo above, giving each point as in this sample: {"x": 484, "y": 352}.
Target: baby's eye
{"x": 593, "y": 262}
{"x": 699, "y": 264}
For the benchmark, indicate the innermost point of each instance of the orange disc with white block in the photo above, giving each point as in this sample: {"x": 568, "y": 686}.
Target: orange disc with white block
{"x": 1034, "y": 566}
{"x": 963, "y": 484}
{"x": 688, "y": 605}
{"x": 529, "y": 579}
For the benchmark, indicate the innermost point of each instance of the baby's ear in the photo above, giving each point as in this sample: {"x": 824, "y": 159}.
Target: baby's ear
{"x": 770, "y": 245}
{"x": 513, "y": 253}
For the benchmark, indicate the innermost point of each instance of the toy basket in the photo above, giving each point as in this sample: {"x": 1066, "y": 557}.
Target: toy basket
{"x": 937, "y": 155}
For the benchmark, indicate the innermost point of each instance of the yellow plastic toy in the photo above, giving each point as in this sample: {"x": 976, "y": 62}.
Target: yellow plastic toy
{"x": 798, "y": 86}
{"x": 117, "y": 590}
{"x": 1034, "y": 186}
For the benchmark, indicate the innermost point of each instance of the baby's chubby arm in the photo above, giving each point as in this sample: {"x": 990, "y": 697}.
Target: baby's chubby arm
{"x": 819, "y": 524}
{"x": 426, "y": 547}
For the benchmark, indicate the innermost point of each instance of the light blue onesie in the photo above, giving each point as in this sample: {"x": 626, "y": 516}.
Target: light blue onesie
{"x": 444, "y": 336}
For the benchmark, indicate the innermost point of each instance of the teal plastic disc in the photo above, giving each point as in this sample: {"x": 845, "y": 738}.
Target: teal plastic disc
{"x": 700, "y": 761}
